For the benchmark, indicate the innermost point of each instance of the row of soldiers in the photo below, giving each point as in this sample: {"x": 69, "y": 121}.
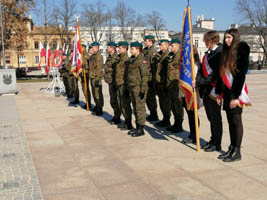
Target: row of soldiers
{"x": 134, "y": 80}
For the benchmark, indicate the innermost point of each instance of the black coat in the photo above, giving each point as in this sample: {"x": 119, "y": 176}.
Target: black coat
{"x": 204, "y": 83}
{"x": 239, "y": 77}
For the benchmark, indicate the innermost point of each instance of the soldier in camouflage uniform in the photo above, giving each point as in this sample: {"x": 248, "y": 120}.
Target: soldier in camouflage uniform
{"x": 149, "y": 56}
{"x": 64, "y": 71}
{"x": 96, "y": 75}
{"x": 137, "y": 79}
{"x": 123, "y": 96}
{"x": 86, "y": 72}
{"x": 173, "y": 86}
{"x": 161, "y": 83}
{"x": 109, "y": 78}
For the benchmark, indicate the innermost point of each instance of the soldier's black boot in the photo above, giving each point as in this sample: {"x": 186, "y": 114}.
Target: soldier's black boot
{"x": 76, "y": 101}
{"x": 127, "y": 125}
{"x": 94, "y": 110}
{"x": 116, "y": 121}
{"x": 165, "y": 122}
{"x": 99, "y": 111}
{"x": 134, "y": 129}
{"x": 226, "y": 154}
{"x": 139, "y": 131}
{"x": 177, "y": 127}
{"x": 234, "y": 156}
{"x": 152, "y": 117}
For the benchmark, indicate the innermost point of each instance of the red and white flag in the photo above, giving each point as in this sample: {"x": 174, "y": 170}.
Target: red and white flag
{"x": 61, "y": 57}
{"x": 55, "y": 56}
{"x": 243, "y": 98}
{"x": 41, "y": 53}
{"x": 47, "y": 58}
{"x": 77, "y": 53}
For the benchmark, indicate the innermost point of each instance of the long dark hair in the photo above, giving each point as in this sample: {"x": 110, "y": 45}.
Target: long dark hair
{"x": 229, "y": 54}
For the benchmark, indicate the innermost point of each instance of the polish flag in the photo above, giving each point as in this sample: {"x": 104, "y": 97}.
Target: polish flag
{"x": 47, "y": 58}
{"x": 61, "y": 57}
{"x": 41, "y": 53}
{"x": 56, "y": 55}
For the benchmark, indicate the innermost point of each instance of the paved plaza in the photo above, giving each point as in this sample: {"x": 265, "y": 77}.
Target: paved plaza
{"x": 52, "y": 151}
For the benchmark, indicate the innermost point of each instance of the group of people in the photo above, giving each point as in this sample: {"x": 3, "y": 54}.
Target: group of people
{"x": 134, "y": 82}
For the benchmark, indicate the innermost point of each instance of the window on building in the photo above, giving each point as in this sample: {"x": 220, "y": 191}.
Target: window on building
{"x": 7, "y": 59}
{"x": 22, "y": 59}
{"x": 196, "y": 43}
{"x": 36, "y": 59}
{"x": 259, "y": 58}
{"x": 36, "y": 44}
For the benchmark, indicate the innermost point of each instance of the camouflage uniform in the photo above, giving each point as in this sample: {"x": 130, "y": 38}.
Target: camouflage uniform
{"x": 162, "y": 89}
{"x": 95, "y": 75}
{"x": 137, "y": 79}
{"x": 123, "y": 97}
{"x": 173, "y": 88}
{"x": 86, "y": 72}
{"x": 149, "y": 56}
{"x": 109, "y": 78}
{"x": 64, "y": 71}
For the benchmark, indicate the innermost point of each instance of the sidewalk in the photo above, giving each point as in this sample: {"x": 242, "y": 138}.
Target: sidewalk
{"x": 78, "y": 156}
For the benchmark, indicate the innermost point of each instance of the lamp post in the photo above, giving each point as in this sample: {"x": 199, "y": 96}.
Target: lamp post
{"x": 2, "y": 32}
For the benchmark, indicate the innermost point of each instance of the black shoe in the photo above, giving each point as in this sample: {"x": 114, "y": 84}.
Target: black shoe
{"x": 139, "y": 131}
{"x": 212, "y": 148}
{"x": 75, "y": 102}
{"x": 152, "y": 117}
{"x": 205, "y": 146}
{"x": 133, "y": 130}
{"x": 176, "y": 128}
{"x": 116, "y": 121}
{"x": 163, "y": 123}
{"x": 94, "y": 109}
{"x": 69, "y": 96}
{"x": 99, "y": 112}
{"x": 226, "y": 154}
{"x": 234, "y": 156}
{"x": 189, "y": 141}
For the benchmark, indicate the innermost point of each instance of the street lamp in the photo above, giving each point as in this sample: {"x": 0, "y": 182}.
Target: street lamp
{"x": 2, "y": 32}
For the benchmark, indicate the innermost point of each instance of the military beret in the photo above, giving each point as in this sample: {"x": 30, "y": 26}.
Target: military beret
{"x": 83, "y": 45}
{"x": 95, "y": 44}
{"x": 65, "y": 54}
{"x": 164, "y": 40}
{"x": 136, "y": 44}
{"x": 123, "y": 43}
{"x": 175, "y": 41}
{"x": 149, "y": 37}
{"x": 90, "y": 47}
{"x": 112, "y": 44}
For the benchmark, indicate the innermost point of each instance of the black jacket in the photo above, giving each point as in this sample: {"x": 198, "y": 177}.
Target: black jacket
{"x": 239, "y": 77}
{"x": 204, "y": 83}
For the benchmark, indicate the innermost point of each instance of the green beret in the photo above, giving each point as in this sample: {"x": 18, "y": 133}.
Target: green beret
{"x": 83, "y": 45}
{"x": 112, "y": 44}
{"x": 149, "y": 37}
{"x": 123, "y": 43}
{"x": 164, "y": 40}
{"x": 136, "y": 44}
{"x": 95, "y": 44}
{"x": 90, "y": 47}
{"x": 176, "y": 41}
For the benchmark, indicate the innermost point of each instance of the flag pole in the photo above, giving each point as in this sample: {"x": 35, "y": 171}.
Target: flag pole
{"x": 193, "y": 79}
{"x": 84, "y": 74}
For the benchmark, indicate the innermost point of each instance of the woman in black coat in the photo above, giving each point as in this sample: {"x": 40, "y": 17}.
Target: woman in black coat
{"x": 231, "y": 85}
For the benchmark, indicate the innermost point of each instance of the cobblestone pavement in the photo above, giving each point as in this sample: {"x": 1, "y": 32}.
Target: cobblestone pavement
{"x": 78, "y": 156}
{"x": 18, "y": 179}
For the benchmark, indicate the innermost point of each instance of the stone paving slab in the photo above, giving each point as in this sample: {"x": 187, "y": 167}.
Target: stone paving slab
{"x": 78, "y": 156}
{"x": 18, "y": 179}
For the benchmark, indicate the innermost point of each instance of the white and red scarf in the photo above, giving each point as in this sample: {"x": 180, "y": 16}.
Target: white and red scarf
{"x": 207, "y": 70}
{"x": 243, "y": 99}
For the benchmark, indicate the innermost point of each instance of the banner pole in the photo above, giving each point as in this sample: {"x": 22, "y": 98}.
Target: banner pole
{"x": 193, "y": 79}
{"x": 84, "y": 74}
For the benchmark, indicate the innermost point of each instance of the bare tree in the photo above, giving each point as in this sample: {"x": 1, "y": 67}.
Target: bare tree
{"x": 155, "y": 21}
{"x": 95, "y": 16}
{"x": 63, "y": 17}
{"x": 255, "y": 13}
{"x": 110, "y": 25}
{"x": 127, "y": 20}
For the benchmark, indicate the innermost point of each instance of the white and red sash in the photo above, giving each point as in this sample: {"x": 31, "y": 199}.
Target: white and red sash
{"x": 206, "y": 71}
{"x": 243, "y": 99}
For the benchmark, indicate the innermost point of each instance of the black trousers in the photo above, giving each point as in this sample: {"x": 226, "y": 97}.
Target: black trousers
{"x": 213, "y": 111}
